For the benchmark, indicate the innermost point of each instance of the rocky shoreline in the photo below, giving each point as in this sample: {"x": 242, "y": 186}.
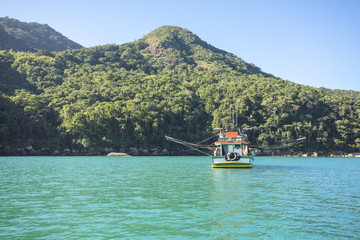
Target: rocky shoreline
{"x": 133, "y": 151}
{"x": 306, "y": 154}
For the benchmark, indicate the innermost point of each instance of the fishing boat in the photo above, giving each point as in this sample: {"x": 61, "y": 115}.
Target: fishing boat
{"x": 232, "y": 151}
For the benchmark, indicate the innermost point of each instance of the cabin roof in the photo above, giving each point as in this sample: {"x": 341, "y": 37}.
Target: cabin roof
{"x": 232, "y": 134}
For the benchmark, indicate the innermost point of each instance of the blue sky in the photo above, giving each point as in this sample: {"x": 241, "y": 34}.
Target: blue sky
{"x": 311, "y": 42}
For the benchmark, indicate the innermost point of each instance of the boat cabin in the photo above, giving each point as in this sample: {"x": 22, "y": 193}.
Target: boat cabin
{"x": 231, "y": 142}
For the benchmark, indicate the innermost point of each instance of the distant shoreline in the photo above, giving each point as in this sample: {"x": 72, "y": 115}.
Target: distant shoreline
{"x": 132, "y": 151}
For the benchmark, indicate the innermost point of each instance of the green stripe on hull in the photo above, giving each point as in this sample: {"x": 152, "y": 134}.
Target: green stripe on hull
{"x": 232, "y": 164}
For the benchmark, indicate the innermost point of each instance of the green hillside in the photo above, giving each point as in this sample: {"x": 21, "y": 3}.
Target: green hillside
{"x": 170, "y": 82}
{"x": 22, "y": 36}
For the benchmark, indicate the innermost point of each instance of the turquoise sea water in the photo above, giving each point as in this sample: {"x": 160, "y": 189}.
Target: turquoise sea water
{"x": 178, "y": 198}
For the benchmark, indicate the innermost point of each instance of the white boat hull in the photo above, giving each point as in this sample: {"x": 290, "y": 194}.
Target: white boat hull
{"x": 243, "y": 162}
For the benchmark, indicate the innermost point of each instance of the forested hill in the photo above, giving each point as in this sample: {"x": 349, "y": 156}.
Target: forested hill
{"x": 22, "y": 36}
{"x": 169, "y": 82}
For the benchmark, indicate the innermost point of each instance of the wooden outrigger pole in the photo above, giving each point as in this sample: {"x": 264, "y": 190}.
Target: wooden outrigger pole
{"x": 193, "y": 146}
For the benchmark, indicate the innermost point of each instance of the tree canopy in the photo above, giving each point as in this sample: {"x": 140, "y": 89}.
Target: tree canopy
{"x": 169, "y": 82}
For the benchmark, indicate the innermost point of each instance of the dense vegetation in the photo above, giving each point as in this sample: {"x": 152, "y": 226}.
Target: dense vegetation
{"x": 169, "y": 82}
{"x": 21, "y": 36}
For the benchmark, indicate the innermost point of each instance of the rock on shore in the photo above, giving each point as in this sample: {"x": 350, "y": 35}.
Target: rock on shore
{"x": 118, "y": 154}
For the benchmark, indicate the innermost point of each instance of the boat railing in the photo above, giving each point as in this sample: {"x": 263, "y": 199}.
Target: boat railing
{"x": 231, "y": 139}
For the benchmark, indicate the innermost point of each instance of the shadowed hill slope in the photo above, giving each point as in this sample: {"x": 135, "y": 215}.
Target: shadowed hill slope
{"x": 22, "y": 36}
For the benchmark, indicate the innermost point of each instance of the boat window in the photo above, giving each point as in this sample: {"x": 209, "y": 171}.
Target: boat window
{"x": 237, "y": 146}
{"x": 224, "y": 149}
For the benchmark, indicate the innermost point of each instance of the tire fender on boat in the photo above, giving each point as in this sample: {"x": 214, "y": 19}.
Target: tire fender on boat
{"x": 232, "y": 156}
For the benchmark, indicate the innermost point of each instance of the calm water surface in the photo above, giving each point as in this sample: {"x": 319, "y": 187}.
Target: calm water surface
{"x": 178, "y": 198}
